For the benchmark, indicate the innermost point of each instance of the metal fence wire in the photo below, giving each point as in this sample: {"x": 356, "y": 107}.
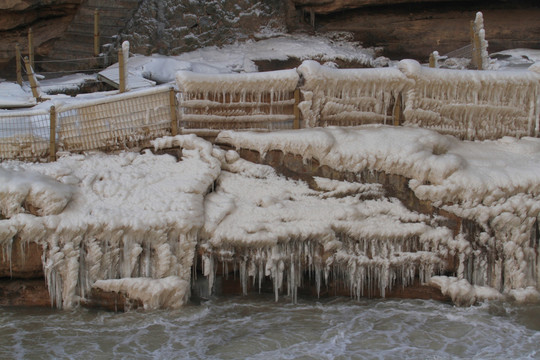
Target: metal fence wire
{"x": 24, "y": 135}
{"x": 118, "y": 122}
{"x": 122, "y": 122}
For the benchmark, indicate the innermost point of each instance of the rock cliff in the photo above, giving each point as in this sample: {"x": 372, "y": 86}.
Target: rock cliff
{"x": 49, "y": 19}
{"x": 403, "y": 28}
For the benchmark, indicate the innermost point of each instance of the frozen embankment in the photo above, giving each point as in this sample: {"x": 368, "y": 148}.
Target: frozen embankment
{"x": 370, "y": 210}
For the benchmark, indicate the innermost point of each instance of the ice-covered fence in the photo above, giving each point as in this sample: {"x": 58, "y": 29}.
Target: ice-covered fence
{"x": 24, "y": 135}
{"x": 116, "y": 122}
{"x": 472, "y": 104}
{"x": 348, "y": 97}
{"x": 237, "y": 101}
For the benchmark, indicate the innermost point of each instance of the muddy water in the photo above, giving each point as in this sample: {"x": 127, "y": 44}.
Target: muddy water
{"x": 258, "y": 328}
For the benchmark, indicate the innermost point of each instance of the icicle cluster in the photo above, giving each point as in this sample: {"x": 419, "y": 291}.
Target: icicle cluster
{"x": 472, "y": 104}
{"x": 347, "y": 97}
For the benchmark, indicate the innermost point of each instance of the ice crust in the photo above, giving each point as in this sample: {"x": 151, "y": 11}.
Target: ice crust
{"x": 121, "y": 222}
{"x": 493, "y": 183}
{"x": 169, "y": 293}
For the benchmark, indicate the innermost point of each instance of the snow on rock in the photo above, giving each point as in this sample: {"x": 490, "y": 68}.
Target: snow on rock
{"x": 43, "y": 194}
{"x": 496, "y": 184}
{"x": 462, "y": 292}
{"x": 129, "y": 215}
{"x": 266, "y": 225}
{"x": 12, "y": 95}
{"x": 169, "y": 293}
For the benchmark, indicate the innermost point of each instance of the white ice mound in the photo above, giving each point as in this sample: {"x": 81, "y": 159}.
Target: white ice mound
{"x": 462, "y": 292}
{"x": 20, "y": 189}
{"x": 167, "y": 293}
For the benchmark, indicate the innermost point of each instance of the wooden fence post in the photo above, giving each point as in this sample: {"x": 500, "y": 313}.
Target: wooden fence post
{"x": 52, "y": 137}
{"x": 172, "y": 106}
{"x": 96, "y": 33}
{"x": 478, "y": 51}
{"x": 432, "y": 61}
{"x": 121, "y": 70}
{"x": 31, "y": 78}
{"x": 31, "y": 47}
{"x": 296, "y": 124}
{"x": 18, "y": 60}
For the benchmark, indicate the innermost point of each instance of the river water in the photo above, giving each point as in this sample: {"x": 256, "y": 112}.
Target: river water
{"x": 256, "y": 327}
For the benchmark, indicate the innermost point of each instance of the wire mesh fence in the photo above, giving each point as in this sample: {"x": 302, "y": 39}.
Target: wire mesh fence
{"x": 118, "y": 122}
{"x": 24, "y": 135}
{"x": 121, "y": 122}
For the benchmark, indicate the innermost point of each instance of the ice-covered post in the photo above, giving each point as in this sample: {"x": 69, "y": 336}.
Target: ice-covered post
{"x": 479, "y": 43}
{"x": 52, "y": 136}
{"x": 31, "y": 78}
{"x": 432, "y": 60}
{"x": 18, "y": 60}
{"x": 96, "y": 32}
{"x": 172, "y": 105}
{"x": 123, "y": 56}
{"x": 31, "y": 47}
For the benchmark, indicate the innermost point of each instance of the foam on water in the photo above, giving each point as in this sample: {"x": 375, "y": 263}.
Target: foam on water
{"x": 259, "y": 328}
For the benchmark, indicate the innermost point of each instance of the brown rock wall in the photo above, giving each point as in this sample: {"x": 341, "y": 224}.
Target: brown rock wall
{"x": 48, "y": 19}
{"x": 24, "y": 293}
{"x": 414, "y": 30}
{"x": 25, "y": 261}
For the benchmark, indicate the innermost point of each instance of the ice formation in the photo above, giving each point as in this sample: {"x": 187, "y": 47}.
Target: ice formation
{"x": 481, "y": 33}
{"x": 170, "y": 292}
{"x": 348, "y": 96}
{"x": 102, "y": 217}
{"x": 494, "y": 184}
{"x": 133, "y": 222}
{"x": 264, "y": 225}
{"x": 259, "y": 100}
{"x": 472, "y": 104}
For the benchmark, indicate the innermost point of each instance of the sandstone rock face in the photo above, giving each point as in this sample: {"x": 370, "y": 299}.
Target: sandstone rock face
{"x": 407, "y": 29}
{"x": 175, "y": 26}
{"x": 329, "y": 6}
{"x": 24, "y": 262}
{"x": 47, "y": 18}
{"x": 24, "y": 293}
